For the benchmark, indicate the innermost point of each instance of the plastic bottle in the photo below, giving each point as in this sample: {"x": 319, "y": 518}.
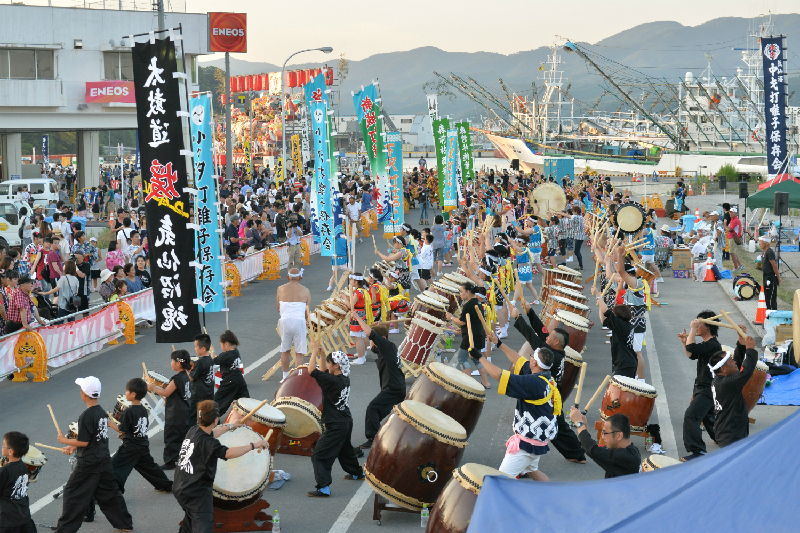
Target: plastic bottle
{"x": 648, "y": 441}
{"x": 426, "y": 513}
{"x": 276, "y": 523}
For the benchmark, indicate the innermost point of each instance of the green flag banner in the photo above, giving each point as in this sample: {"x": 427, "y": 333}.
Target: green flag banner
{"x": 465, "y": 151}
{"x": 440, "y": 127}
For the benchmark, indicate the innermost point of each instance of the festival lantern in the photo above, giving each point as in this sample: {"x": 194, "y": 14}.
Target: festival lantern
{"x": 328, "y": 76}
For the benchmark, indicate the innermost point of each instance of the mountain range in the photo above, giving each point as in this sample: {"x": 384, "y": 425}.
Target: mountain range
{"x": 655, "y": 51}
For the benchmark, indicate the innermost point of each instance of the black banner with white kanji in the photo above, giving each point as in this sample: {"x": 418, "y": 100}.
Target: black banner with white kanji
{"x": 775, "y": 81}
{"x": 170, "y": 240}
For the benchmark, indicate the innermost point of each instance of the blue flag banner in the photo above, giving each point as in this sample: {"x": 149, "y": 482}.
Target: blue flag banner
{"x": 323, "y": 222}
{"x": 137, "y": 164}
{"x": 207, "y": 249}
{"x": 45, "y": 151}
{"x": 775, "y": 81}
{"x": 449, "y": 191}
{"x": 394, "y": 166}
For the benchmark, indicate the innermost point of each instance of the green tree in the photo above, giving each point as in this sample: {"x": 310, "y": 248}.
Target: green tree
{"x": 212, "y": 79}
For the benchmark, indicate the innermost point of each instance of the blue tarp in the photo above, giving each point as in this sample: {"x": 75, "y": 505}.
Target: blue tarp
{"x": 743, "y": 487}
{"x": 785, "y": 390}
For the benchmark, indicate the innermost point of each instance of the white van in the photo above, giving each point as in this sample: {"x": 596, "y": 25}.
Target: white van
{"x": 9, "y": 222}
{"x": 42, "y": 189}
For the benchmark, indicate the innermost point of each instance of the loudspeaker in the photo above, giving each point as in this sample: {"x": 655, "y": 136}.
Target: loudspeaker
{"x": 781, "y": 204}
{"x": 743, "y": 192}
{"x": 723, "y": 182}
{"x": 515, "y": 164}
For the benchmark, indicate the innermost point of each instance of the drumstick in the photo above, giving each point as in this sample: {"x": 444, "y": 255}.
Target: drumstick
{"x": 602, "y": 386}
{"x": 40, "y": 445}
{"x": 580, "y": 384}
{"x": 253, "y": 411}
{"x": 741, "y": 333}
{"x": 469, "y": 332}
{"x": 145, "y": 368}
{"x": 173, "y": 347}
{"x": 54, "y": 418}
{"x": 269, "y": 434}
{"x": 204, "y": 330}
{"x": 391, "y": 321}
{"x": 718, "y": 324}
{"x": 373, "y": 242}
{"x": 483, "y": 321}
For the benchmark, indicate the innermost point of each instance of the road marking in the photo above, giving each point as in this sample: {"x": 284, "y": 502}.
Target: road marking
{"x": 41, "y": 503}
{"x": 662, "y": 407}
{"x": 350, "y": 512}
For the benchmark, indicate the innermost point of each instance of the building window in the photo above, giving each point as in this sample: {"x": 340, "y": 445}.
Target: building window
{"x": 406, "y": 121}
{"x": 26, "y": 64}
{"x": 118, "y": 66}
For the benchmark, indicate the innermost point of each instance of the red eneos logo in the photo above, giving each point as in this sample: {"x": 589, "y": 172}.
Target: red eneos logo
{"x": 227, "y": 32}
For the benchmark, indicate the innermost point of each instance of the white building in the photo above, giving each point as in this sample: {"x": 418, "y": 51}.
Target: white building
{"x": 47, "y": 56}
{"x": 416, "y": 129}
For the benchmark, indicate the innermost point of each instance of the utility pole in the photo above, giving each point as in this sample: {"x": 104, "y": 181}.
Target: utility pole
{"x": 161, "y": 25}
{"x": 228, "y": 136}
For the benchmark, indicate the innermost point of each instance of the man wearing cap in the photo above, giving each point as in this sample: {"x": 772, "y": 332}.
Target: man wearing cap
{"x": 293, "y": 302}
{"x": 772, "y": 275}
{"x": 92, "y": 479}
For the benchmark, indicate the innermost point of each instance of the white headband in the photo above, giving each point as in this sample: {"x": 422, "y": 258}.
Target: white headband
{"x": 486, "y": 272}
{"x": 357, "y": 278}
{"x": 480, "y": 295}
{"x": 520, "y": 240}
{"x": 298, "y": 275}
{"x": 539, "y": 361}
{"x": 719, "y": 365}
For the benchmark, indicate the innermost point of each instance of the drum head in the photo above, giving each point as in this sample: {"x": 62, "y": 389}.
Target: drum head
{"x": 427, "y": 326}
{"x": 34, "y": 457}
{"x": 456, "y": 278}
{"x": 448, "y": 287}
{"x": 246, "y": 476}
{"x": 573, "y": 319}
{"x": 158, "y": 377}
{"x": 640, "y": 388}
{"x": 569, "y": 293}
{"x": 431, "y": 321}
{"x": 326, "y": 316}
{"x": 746, "y": 291}
{"x": 302, "y": 418}
{"x": 549, "y": 198}
{"x": 437, "y": 297}
{"x": 266, "y": 414}
{"x": 569, "y": 271}
{"x": 568, "y": 284}
{"x": 336, "y": 309}
{"x": 572, "y": 356}
{"x": 655, "y": 462}
{"x": 432, "y": 422}
{"x": 430, "y": 302}
{"x": 471, "y": 475}
{"x": 567, "y": 301}
{"x": 455, "y": 381}
{"x": 630, "y": 218}
{"x": 761, "y": 366}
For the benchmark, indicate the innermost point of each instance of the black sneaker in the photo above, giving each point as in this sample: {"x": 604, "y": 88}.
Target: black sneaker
{"x": 353, "y": 477}
{"x": 367, "y": 445}
{"x": 318, "y": 494}
{"x": 168, "y": 466}
{"x": 358, "y": 451}
{"x": 691, "y": 456}
{"x": 89, "y": 515}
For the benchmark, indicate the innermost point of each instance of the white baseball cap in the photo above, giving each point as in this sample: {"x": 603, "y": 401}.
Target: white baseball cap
{"x": 90, "y": 386}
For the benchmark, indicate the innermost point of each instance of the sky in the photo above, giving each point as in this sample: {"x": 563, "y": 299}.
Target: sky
{"x": 360, "y": 28}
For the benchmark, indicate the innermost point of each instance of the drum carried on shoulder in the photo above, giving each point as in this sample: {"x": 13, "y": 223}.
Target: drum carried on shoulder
{"x": 122, "y": 405}
{"x": 34, "y": 460}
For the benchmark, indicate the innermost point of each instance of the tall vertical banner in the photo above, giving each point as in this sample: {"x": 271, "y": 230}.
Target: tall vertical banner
{"x": 322, "y": 197}
{"x": 304, "y": 139}
{"x": 279, "y": 172}
{"x": 433, "y": 107}
{"x": 450, "y": 197}
{"x": 298, "y": 168}
{"x": 394, "y": 166}
{"x": 137, "y": 161}
{"x": 207, "y": 248}
{"x": 369, "y": 116}
{"x": 45, "y": 152}
{"x": 775, "y": 82}
{"x": 465, "y": 151}
{"x": 164, "y": 176}
{"x": 440, "y": 127}
{"x": 338, "y": 216}
{"x": 248, "y": 159}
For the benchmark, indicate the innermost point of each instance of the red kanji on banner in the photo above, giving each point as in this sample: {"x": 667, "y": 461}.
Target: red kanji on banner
{"x": 162, "y": 182}
{"x": 366, "y": 104}
{"x": 370, "y": 118}
{"x": 317, "y": 95}
{"x": 374, "y": 143}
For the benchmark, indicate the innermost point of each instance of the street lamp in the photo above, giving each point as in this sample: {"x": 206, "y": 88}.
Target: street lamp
{"x": 325, "y": 49}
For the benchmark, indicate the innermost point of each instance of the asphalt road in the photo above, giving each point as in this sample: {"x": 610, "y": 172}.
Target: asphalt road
{"x": 253, "y": 318}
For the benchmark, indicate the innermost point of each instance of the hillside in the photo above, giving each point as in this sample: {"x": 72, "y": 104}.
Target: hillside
{"x": 659, "y": 49}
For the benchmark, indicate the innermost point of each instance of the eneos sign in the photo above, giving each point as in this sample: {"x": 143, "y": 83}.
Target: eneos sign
{"x": 227, "y": 32}
{"x": 109, "y": 91}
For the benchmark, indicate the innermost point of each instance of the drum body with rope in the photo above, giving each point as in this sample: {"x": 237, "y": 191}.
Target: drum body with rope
{"x": 34, "y": 460}
{"x": 630, "y": 218}
{"x": 449, "y": 291}
{"x": 655, "y": 462}
{"x": 454, "y": 506}
{"x": 636, "y": 399}
{"x": 577, "y": 327}
{"x": 550, "y": 277}
{"x": 413, "y": 455}
{"x": 575, "y": 275}
{"x": 300, "y": 399}
{"x": 572, "y": 369}
{"x": 432, "y": 306}
{"x": 566, "y": 304}
{"x": 123, "y": 404}
{"x": 754, "y": 388}
{"x": 452, "y": 392}
{"x": 420, "y": 341}
{"x": 262, "y": 421}
{"x": 317, "y": 324}
{"x": 338, "y": 312}
{"x": 240, "y": 482}
{"x": 646, "y": 274}
{"x": 154, "y": 378}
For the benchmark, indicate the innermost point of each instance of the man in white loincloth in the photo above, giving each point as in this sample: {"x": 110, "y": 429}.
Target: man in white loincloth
{"x": 293, "y": 302}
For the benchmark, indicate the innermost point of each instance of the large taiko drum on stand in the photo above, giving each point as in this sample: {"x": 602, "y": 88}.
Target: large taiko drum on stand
{"x": 262, "y": 421}
{"x": 577, "y": 287}
{"x": 754, "y": 388}
{"x": 636, "y": 399}
{"x": 566, "y": 292}
{"x": 567, "y": 304}
{"x": 575, "y": 275}
{"x": 454, "y": 506}
{"x": 413, "y": 455}
{"x": 630, "y": 218}
{"x": 420, "y": 341}
{"x": 452, "y": 392}
{"x": 572, "y": 369}
{"x": 240, "y": 482}
{"x": 432, "y": 306}
{"x": 456, "y": 279}
{"x": 300, "y": 399}
{"x": 657, "y": 462}
{"x": 577, "y": 327}
{"x": 449, "y": 291}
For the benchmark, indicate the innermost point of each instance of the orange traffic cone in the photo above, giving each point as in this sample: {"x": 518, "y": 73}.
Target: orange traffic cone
{"x": 761, "y": 312}
{"x": 709, "y": 271}
{"x": 691, "y": 192}
{"x": 696, "y": 215}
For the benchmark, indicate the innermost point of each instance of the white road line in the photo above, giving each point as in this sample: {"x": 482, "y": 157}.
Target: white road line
{"x": 41, "y": 503}
{"x": 350, "y": 512}
{"x": 662, "y": 407}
